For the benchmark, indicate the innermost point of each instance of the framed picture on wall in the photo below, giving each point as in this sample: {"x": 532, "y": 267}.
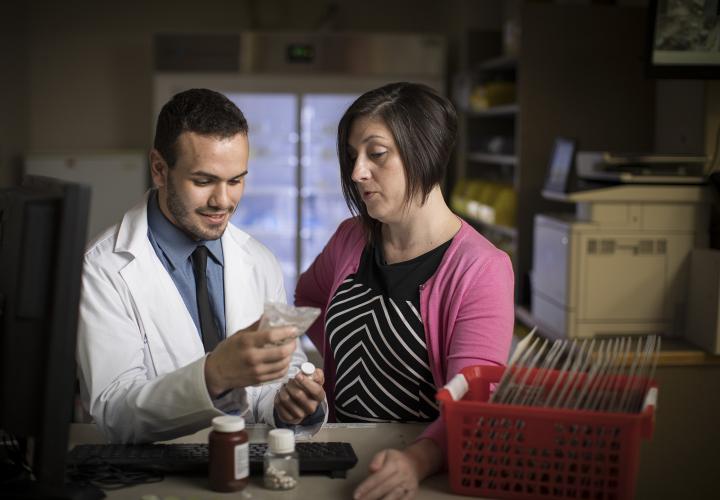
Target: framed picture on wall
{"x": 683, "y": 39}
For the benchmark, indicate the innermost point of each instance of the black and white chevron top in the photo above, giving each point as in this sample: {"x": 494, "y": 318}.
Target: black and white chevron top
{"x": 378, "y": 341}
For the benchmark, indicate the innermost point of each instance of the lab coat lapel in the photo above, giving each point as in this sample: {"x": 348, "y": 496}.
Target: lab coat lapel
{"x": 243, "y": 302}
{"x": 165, "y": 318}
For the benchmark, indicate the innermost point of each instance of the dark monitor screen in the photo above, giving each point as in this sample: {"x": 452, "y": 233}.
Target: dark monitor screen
{"x": 683, "y": 39}
{"x": 43, "y": 228}
{"x": 560, "y": 167}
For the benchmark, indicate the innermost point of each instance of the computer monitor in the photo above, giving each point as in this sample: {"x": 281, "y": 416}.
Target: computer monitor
{"x": 560, "y": 175}
{"x": 43, "y": 226}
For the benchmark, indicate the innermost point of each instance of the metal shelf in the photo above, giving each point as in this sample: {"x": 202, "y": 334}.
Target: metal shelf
{"x": 497, "y": 63}
{"x": 493, "y": 111}
{"x": 483, "y": 226}
{"x": 493, "y": 158}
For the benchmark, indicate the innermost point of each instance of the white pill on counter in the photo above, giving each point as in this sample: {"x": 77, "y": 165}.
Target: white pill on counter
{"x": 307, "y": 368}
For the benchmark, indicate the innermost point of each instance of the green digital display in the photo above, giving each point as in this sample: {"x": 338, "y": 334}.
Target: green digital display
{"x": 300, "y": 53}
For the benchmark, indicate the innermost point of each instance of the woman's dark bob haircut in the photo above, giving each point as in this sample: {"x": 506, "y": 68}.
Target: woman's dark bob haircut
{"x": 424, "y": 127}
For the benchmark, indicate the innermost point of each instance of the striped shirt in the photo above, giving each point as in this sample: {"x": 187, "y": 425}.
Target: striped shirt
{"x": 377, "y": 339}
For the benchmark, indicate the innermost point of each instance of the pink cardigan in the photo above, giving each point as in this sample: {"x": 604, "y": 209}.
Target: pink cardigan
{"x": 466, "y": 306}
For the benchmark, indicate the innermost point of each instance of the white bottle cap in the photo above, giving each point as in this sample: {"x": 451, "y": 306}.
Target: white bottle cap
{"x": 281, "y": 440}
{"x": 228, "y": 423}
{"x": 307, "y": 368}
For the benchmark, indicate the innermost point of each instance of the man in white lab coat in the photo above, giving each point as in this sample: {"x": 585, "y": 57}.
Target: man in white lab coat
{"x": 161, "y": 352}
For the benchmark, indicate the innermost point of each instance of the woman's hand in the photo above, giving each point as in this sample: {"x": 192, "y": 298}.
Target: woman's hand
{"x": 396, "y": 474}
{"x": 393, "y": 475}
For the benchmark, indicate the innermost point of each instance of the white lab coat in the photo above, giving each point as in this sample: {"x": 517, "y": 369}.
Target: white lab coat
{"x": 140, "y": 358}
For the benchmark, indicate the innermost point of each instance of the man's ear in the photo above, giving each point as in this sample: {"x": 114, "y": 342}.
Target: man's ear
{"x": 158, "y": 168}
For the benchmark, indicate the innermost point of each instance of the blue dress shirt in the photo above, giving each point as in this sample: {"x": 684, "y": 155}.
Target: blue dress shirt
{"x": 174, "y": 248}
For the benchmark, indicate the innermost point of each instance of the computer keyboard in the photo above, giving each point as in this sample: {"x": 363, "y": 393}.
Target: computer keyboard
{"x": 333, "y": 457}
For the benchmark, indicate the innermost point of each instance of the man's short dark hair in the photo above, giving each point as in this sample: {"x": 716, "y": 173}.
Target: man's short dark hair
{"x": 202, "y": 111}
{"x": 424, "y": 126}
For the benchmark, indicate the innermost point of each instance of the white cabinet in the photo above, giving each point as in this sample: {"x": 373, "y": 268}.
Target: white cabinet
{"x": 117, "y": 180}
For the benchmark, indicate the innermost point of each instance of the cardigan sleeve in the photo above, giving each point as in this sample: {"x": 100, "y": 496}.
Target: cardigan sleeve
{"x": 481, "y": 332}
{"x": 315, "y": 284}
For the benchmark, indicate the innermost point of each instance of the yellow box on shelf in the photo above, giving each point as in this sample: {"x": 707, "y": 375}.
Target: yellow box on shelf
{"x": 480, "y": 201}
{"x": 485, "y": 201}
{"x": 505, "y": 204}
{"x": 458, "y": 197}
{"x": 487, "y": 95}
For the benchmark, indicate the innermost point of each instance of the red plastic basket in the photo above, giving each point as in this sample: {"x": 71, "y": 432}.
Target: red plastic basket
{"x": 510, "y": 451}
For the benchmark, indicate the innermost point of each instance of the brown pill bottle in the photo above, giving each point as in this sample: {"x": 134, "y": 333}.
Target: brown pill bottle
{"x": 229, "y": 459}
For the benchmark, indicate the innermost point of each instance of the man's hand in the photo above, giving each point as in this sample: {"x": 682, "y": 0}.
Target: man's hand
{"x": 249, "y": 357}
{"x": 300, "y": 397}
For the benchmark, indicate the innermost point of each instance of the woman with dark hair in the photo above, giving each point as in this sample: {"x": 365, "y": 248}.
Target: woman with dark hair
{"x": 410, "y": 293}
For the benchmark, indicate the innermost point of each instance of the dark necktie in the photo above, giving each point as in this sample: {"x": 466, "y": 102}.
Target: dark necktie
{"x": 208, "y": 328}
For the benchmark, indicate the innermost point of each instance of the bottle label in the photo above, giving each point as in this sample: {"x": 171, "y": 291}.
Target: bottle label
{"x": 242, "y": 461}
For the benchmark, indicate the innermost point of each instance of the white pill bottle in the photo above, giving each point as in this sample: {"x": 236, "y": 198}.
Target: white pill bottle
{"x": 281, "y": 464}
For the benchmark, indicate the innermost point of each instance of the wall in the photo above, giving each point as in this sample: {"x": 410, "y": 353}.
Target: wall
{"x": 712, "y": 116}
{"x": 78, "y": 75}
{"x": 81, "y": 76}
{"x": 680, "y": 116}
{"x": 13, "y": 89}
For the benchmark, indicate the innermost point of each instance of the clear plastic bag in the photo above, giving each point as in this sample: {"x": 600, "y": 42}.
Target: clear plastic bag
{"x": 277, "y": 314}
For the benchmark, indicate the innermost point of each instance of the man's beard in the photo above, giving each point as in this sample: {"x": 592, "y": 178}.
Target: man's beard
{"x": 183, "y": 216}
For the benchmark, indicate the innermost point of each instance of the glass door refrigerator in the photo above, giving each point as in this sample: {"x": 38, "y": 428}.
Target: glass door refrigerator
{"x": 293, "y": 90}
{"x": 293, "y": 201}
{"x": 322, "y": 205}
{"x": 268, "y": 210}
